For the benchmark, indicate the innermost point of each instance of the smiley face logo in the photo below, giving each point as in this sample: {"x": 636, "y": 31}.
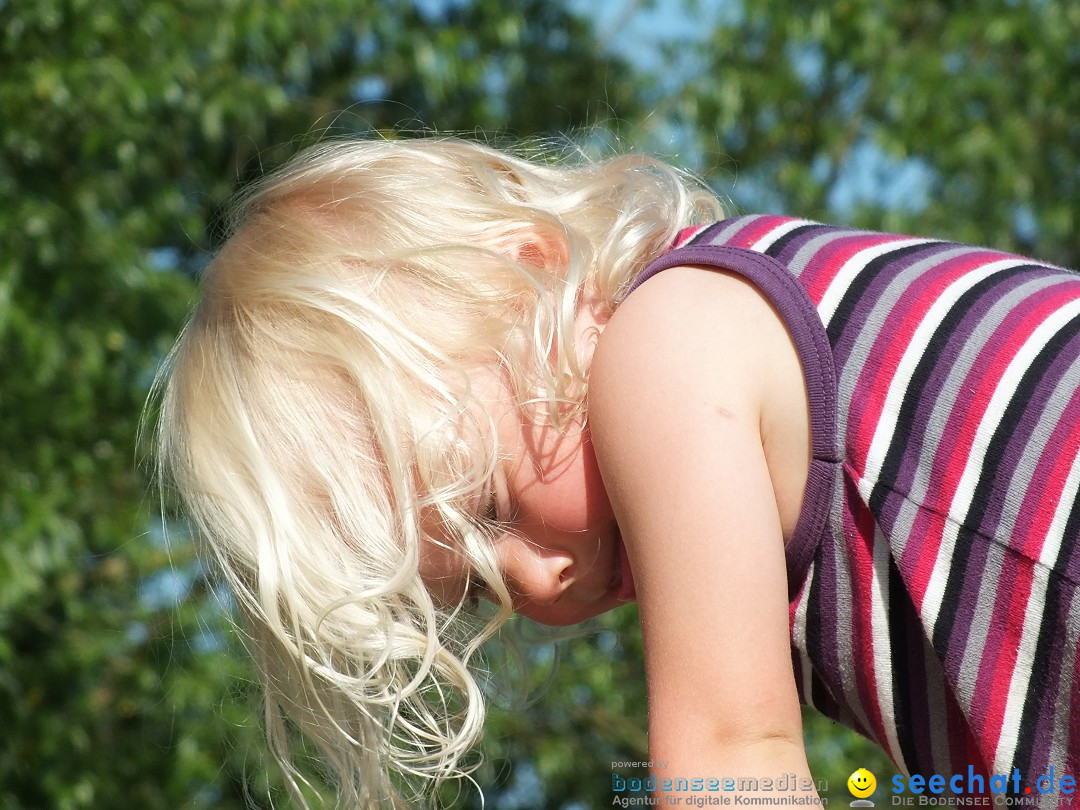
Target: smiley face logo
{"x": 861, "y": 783}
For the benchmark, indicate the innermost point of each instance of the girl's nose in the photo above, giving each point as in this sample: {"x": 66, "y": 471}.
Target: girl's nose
{"x": 538, "y": 575}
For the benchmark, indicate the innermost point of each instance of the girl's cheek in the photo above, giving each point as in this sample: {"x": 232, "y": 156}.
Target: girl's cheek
{"x": 561, "y": 487}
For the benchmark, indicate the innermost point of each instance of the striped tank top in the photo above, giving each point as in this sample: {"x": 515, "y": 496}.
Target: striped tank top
{"x": 933, "y": 570}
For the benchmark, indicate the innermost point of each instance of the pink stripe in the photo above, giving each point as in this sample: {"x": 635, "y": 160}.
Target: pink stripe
{"x": 756, "y": 228}
{"x": 1048, "y": 482}
{"x": 1036, "y": 516}
{"x": 871, "y": 391}
{"x": 824, "y": 266}
{"x": 917, "y": 562}
{"x": 883, "y": 361}
{"x": 982, "y": 381}
{"x": 973, "y": 755}
{"x": 686, "y": 234}
{"x": 954, "y": 450}
{"x": 861, "y": 559}
{"x": 988, "y": 709}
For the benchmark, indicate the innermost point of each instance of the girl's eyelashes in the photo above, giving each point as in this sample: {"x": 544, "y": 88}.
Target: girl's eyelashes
{"x": 478, "y": 589}
{"x": 498, "y": 512}
{"x": 497, "y": 507}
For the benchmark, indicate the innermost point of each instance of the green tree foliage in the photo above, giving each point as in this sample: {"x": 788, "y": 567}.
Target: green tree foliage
{"x": 956, "y": 120}
{"x": 124, "y": 127}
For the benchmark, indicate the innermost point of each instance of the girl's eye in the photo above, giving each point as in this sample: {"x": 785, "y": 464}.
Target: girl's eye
{"x": 478, "y": 589}
{"x": 500, "y": 514}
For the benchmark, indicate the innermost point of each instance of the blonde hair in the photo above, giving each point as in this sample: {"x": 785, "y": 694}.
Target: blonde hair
{"x": 315, "y": 409}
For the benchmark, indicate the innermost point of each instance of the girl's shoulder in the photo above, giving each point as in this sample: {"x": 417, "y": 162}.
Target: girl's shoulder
{"x": 694, "y": 333}
{"x": 690, "y": 315}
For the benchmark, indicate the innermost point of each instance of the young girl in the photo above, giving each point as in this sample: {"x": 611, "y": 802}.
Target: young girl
{"x": 830, "y": 465}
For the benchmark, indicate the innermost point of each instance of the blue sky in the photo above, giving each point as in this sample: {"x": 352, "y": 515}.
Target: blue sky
{"x": 638, "y": 29}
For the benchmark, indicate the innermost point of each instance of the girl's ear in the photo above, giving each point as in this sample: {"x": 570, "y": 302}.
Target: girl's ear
{"x": 545, "y": 248}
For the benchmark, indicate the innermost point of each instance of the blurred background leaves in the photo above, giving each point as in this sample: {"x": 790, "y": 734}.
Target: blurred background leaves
{"x": 125, "y": 125}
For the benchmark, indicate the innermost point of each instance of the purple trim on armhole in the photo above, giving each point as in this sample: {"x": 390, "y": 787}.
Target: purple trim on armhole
{"x": 800, "y": 316}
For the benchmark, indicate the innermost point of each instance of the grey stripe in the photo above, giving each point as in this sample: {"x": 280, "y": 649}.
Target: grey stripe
{"x": 923, "y": 457}
{"x": 845, "y": 628}
{"x": 724, "y": 234}
{"x": 937, "y": 710}
{"x": 977, "y": 630}
{"x": 869, "y": 333}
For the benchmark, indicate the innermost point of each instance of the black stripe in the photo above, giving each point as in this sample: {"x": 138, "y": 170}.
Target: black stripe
{"x": 1027, "y": 396}
{"x": 813, "y": 623}
{"x": 778, "y": 246}
{"x": 939, "y": 349}
{"x": 816, "y": 620}
{"x": 849, "y": 303}
{"x": 1052, "y": 629}
{"x": 905, "y": 646}
{"x": 1010, "y": 422}
{"x": 1068, "y": 560}
{"x": 1046, "y": 673}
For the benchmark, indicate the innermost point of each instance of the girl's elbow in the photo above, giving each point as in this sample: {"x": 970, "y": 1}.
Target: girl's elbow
{"x": 761, "y": 749}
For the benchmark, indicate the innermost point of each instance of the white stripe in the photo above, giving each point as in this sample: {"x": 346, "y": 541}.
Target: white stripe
{"x": 1025, "y": 658}
{"x": 850, "y": 270}
{"x": 961, "y": 503}
{"x": 798, "y": 634}
{"x": 767, "y": 241}
{"x": 879, "y": 628}
{"x": 924, "y": 333}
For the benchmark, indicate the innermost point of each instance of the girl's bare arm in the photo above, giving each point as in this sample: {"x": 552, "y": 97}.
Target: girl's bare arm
{"x": 686, "y": 374}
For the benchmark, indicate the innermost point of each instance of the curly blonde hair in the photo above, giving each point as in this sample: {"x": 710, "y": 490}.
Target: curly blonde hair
{"x": 315, "y": 419}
